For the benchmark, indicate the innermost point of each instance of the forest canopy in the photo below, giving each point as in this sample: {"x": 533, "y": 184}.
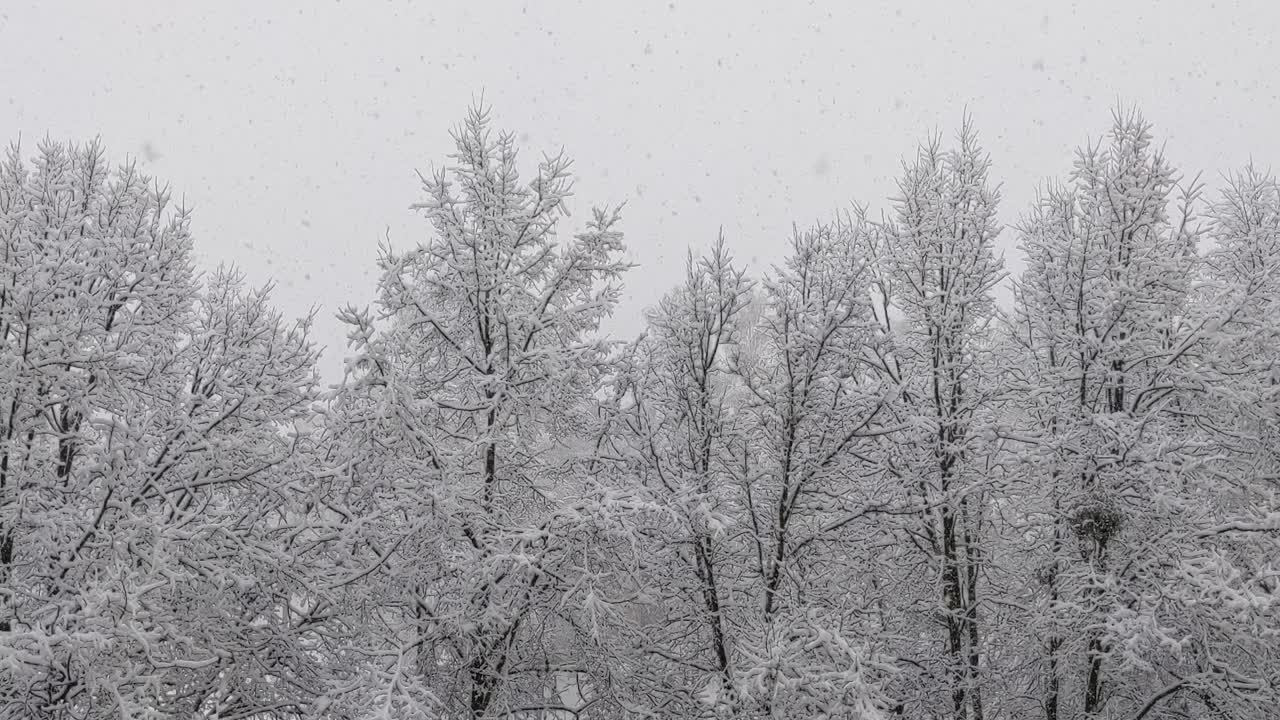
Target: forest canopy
{"x": 852, "y": 486}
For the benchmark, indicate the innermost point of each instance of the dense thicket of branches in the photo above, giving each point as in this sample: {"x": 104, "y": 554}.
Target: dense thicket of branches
{"x": 855, "y": 486}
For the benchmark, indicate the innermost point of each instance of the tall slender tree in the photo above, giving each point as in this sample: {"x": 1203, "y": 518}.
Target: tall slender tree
{"x": 1103, "y": 311}
{"x": 682, "y": 438}
{"x": 820, "y": 415}
{"x": 938, "y": 270}
{"x": 467, "y": 418}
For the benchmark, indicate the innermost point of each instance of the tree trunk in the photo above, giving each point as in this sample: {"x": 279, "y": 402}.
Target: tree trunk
{"x": 972, "y": 559}
{"x": 954, "y": 610}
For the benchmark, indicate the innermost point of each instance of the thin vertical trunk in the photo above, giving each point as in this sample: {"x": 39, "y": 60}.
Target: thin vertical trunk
{"x": 6, "y": 532}
{"x": 1095, "y": 649}
{"x": 952, "y": 592}
{"x": 954, "y": 610}
{"x": 711, "y": 601}
{"x": 6, "y": 548}
{"x": 68, "y": 426}
{"x": 490, "y": 457}
{"x": 482, "y": 686}
{"x": 703, "y": 548}
{"x": 487, "y": 663}
{"x": 1053, "y": 689}
{"x": 972, "y": 559}
{"x": 774, "y": 580}
{"x": 484, "y": 680}
{"x": 1093, "y": 683}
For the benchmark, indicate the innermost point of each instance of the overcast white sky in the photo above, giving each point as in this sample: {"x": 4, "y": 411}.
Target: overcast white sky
{"x": 294, "y": 129}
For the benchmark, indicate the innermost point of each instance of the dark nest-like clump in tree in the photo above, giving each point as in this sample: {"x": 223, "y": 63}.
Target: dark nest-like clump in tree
{"x": 1097, "y": 519}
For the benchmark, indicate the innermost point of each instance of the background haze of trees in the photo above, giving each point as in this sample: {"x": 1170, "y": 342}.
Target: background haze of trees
{"x": 853, "y": 487}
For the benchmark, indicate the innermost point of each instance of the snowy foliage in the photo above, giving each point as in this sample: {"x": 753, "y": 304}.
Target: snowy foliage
{"x": 857, "y": 486}
{"x": 143, "y": 464}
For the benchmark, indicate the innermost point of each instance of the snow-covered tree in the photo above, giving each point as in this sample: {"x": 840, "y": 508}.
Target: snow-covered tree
{"x": 752, "y": 429}
{"x": 144, "y": 456}
{"x": 937, "y": 271}
{"x": 463, "y": 433}
{"x": 681, "y": 442}
{"x": 1129, "y": 442}
{"x": 851, "y": 488}
{"x": 815, "y": 478}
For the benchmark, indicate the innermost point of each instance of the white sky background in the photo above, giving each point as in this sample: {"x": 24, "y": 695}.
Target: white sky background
{"x": 294, "y": 129}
